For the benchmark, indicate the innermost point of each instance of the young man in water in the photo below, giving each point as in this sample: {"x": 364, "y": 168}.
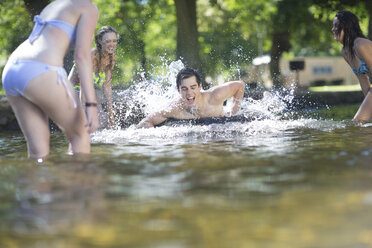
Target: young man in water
{"x": 197, "y": 103}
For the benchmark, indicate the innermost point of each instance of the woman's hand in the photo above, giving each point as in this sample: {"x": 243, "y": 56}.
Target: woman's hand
{"x": 111, "y": 119}
{"x": 92, "y": 118}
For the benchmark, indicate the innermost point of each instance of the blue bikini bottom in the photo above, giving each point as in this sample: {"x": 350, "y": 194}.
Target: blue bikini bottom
{"x": 17, "y": 74}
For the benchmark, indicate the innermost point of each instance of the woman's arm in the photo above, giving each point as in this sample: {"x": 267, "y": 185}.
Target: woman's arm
{"x": 85, "y": 31}
{"x": 107, "y": 93}
{"x": 364, "y": 83}
{"x": 363, "y": 49}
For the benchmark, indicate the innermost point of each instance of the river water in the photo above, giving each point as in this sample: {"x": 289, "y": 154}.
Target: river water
{"x": 284, "y": 179}
{"x": 275, "y": 182}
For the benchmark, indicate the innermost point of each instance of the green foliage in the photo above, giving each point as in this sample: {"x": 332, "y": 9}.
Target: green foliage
{"x": 15, "y": 25}
{"x": 336, "y": 88}
{"x": 316, "y": 38}
{"x": 231, "y": 32}
{"x": 225, "y": 41}
{"x": 148, "y": 31}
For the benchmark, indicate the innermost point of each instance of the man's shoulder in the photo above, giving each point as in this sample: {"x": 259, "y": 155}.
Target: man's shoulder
{"x": 220, "y": 93}
{"x": 214, "y": 95}
{"x": 173, "y": 107}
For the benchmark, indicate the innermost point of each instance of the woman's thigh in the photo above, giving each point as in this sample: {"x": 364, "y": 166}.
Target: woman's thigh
{"x": 365, "y": 110}
{"x": 55, "y": 102}
{"x": 34, "y": 125}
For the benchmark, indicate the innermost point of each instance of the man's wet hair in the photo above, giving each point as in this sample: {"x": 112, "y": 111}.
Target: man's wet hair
{"x": 187, "y": 73}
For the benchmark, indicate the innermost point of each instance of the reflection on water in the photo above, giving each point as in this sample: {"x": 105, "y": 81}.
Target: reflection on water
{"x": 268, "y": 183}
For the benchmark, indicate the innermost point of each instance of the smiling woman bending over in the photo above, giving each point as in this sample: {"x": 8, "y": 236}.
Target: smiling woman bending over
{"x": 103, "y": 60}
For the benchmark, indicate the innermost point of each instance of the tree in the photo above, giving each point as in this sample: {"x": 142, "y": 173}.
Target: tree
{"x": 15, "y": 26}
{"x": 368, "y": 4}
{"x": 304, "y": 28}
{"x": 147, "y": 35}
{"x": 187, "y": 34}
{"x": 229, "y": 37}
{"x": 136, "y": 29}
{"x": 288, "y": 14}
{"x": 334, "y": 5}
{"x": 217, "y": 37}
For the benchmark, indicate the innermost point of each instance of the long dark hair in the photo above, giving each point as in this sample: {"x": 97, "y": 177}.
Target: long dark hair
{"x": 98, "y": 39}
{"x": 348, "y": 22}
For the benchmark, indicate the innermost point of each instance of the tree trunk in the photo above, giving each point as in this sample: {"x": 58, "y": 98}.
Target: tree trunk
{"x": 34, "y": 7}
{"x": 187, "y": 35}
{"x": 280, "y": 44}
{"x": 280, "y": 22}
{"x": 368, "y": 4}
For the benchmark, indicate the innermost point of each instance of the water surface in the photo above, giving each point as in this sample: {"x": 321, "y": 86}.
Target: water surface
{"x": 285, "y": 179}
{"x": 278, "y": 182}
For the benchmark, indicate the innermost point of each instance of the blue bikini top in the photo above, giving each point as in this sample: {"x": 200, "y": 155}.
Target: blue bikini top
{"x": 363, "y": 69}
{"x": 40, "y": 23}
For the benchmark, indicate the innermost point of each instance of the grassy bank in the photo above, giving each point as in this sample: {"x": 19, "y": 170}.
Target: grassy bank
{"x": 336, "y": 88}
{"x": 337, "y": 113}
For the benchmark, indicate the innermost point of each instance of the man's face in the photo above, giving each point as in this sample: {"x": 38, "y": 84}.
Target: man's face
{"x": 189, "y": 90}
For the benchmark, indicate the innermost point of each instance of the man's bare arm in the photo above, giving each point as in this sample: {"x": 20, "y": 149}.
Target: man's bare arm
{"x": 158, "y": 117}
{"x": 223, "y": 92}
{"x": 153, "y": 120}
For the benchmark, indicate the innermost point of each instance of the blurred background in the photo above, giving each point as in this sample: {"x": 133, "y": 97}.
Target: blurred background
{"x": 266, "y": 43}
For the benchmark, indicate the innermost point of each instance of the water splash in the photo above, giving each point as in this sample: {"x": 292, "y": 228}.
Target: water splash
{"x": 271, "y": 114}
{"x": 147, "y": 96}
{"x": 267, "y": 128}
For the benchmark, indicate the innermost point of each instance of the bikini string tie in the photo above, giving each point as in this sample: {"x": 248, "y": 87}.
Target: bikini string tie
{"x": 38, "y": 27}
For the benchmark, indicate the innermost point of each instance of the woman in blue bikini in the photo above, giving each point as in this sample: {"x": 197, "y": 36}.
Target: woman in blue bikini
{"x": 36, "y": 83}
{"x": 357, "y": 52}
{"x": 103, "y": 60}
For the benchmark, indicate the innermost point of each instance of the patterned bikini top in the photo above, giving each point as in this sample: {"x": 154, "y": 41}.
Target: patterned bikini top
{"x": 363, "y": 69}
{"x": 99, "y": 78}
